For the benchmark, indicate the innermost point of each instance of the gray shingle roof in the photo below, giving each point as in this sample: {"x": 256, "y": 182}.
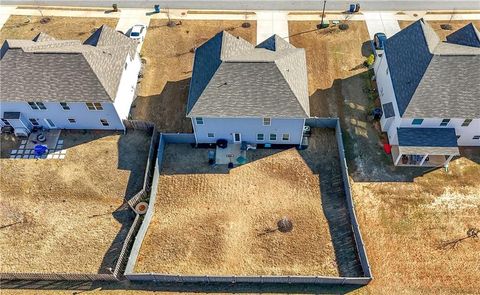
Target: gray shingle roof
{"x": 232, "y": 78}
{"x": 432, "y": 78}
{"x": 46, "y": 69}
{"x": 468, "y": 36}
{"x": 388, "y": 110}
{"x": 431, "y": 137}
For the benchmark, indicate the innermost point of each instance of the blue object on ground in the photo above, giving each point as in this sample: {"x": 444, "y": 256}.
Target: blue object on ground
{"x": 40, "y": 150}
{"x": 241, "y": 160}
{"x": 157, "y": 8}
{"x": 379, "y": 40}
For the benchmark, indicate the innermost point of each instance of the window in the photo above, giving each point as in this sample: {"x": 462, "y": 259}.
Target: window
{"x": 417, "y": 121}
{"x": 65, "y": 106}
{"x": 386, "y": 71}
{"x": 104, "y": 122}
{"x": 260, "y": 137}
{"x": 33, "y": 121}
{"x": 94, "y": 106}
{"x": 37, "y": 105}
{"x": 50, "y": 123}
{"x": 5, "y": 121}
{"x": 199, "y": 120}
{"x": 211, "y": 135}
{"x": 476, "y": 137}
{"x": 458, "y": 137}
{"x": 273, "y": 136}
{"x": 445, "y": 122}
{"x": 71, "y": 120}
{"x": 467, "y": 122}
{"x": 126, "y": 64}
{"x": 267, "y": 121}
{"x": 286, "y": 136}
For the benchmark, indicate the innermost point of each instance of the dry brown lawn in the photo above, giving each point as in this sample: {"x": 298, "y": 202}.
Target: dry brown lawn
{"x": 168, "y": 53}
{"x": 456, "y": 24}
{"x": 404, "y": 225}
{"x": 332, "y": 56}
{"x": 72, "y": 28}
{"x": 62, "y": 211}
{"x": 217, "y": 223}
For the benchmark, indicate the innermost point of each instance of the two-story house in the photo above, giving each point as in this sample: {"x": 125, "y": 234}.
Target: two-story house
{"x": 65, "y": 84}
{"x": 245, "y": 93}
{"x": 430, "y": 93}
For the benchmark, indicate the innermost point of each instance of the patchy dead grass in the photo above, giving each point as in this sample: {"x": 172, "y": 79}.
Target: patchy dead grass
{"x": 332, "y": 55}
{"x": 218, "y": 223}
{"x": 456, "y": 24}
{"x": 168, "y": 53}
{"x": 404, "y": 225}
{"x": 66, "y": 28}
{"x": 65, "y": 212}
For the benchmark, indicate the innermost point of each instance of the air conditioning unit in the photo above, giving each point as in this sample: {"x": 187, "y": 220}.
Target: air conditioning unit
{"x": 21, "y": 132}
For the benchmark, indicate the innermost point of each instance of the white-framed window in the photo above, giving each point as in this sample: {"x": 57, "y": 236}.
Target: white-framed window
{"x": 126, "y": 64}
{"x": 50, "y": 123}
{"x": 72, "y": 120}
{"x": 285, "y": 136}
{"x": 445, "y": 122}
{"x": 199, "y": 120}
{"x": 467, "y": 122}
{"x": 104, "y": 122}
{"x": 210, "y": 134}
{"x": 267, "y": 121}
{"x": 65, "y": 106}
{"x": 37, "y": 105}
{"x": 273, "y": 136}
{"x": 386, "y": 71}
{"x": 260, "y": 137}
{"x": 34, "y": 121}
{"x": 417, "y": 121}
{"x": 94, "y": 106}
{"x": 476, "y": 137}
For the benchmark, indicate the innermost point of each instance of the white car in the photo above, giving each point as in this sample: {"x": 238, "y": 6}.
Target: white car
{"x": 138, "y": 32}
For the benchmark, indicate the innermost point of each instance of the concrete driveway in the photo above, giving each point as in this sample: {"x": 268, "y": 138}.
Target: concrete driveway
{"x": 129, "y": 18}
{"x": 270, "y": 23}
{"x": 384, "y": 22}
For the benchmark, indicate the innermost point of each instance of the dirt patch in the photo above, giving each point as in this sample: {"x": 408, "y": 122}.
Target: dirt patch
{"x": 404, "y": 225}
{"x": 67, "y": 215}
{"x": 168, "y": 52}
{"x": 218, "y": 222}
{"x": 332, "y": 55}
{"x": 65, "y": 28}
{"x": 455, "y": 24}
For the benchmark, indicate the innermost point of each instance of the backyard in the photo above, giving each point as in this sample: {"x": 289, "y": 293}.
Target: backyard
{"x": 218, "y": 222}
{"x": 68, "y": 215}
{"x": 168, "y": 54}
{"x": 66, "y": 28}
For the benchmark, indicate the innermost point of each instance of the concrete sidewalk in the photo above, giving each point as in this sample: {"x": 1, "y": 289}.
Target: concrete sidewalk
{"x": 270, "y": 23}
{"x": 384, "y": 22}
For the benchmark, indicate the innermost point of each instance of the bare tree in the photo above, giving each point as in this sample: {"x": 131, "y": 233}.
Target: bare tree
{"x": 472, "y": 233}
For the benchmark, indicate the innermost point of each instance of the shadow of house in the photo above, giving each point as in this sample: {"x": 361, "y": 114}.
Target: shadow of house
{"x": 323, "y": 159}
{"x": 348, "y": 100}
{"x": 167, "y": 110}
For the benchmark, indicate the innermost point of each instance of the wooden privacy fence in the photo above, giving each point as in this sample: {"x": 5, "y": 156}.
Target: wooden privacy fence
{"x": 137, "y": 124}
{"x": 156, "y": 277}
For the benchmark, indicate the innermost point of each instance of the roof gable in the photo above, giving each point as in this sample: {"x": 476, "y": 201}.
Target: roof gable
{"x": 467, "y": 36}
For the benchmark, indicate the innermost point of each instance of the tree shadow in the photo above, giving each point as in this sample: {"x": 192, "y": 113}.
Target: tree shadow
{"x": 167, "y": 110}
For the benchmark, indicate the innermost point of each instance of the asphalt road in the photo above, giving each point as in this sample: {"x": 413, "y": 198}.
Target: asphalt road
{"x": 371, "y": 5}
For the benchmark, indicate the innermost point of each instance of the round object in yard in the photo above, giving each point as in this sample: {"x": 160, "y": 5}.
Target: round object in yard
{"x": 41, "y": 137}
{"x": 343, "y": 27}
{"x": 246, "y": 25}
{"x": 446, "y": 27}
{"x": 222, "y": 143}
{"x": 141, "y": 208}
{"x": 285, "y": 225}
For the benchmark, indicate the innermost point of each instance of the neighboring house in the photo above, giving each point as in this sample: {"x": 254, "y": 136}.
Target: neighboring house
{"x": 246, "y": 93}
{"x": 430, "y": 93}
{"x": 66, "y": 84}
